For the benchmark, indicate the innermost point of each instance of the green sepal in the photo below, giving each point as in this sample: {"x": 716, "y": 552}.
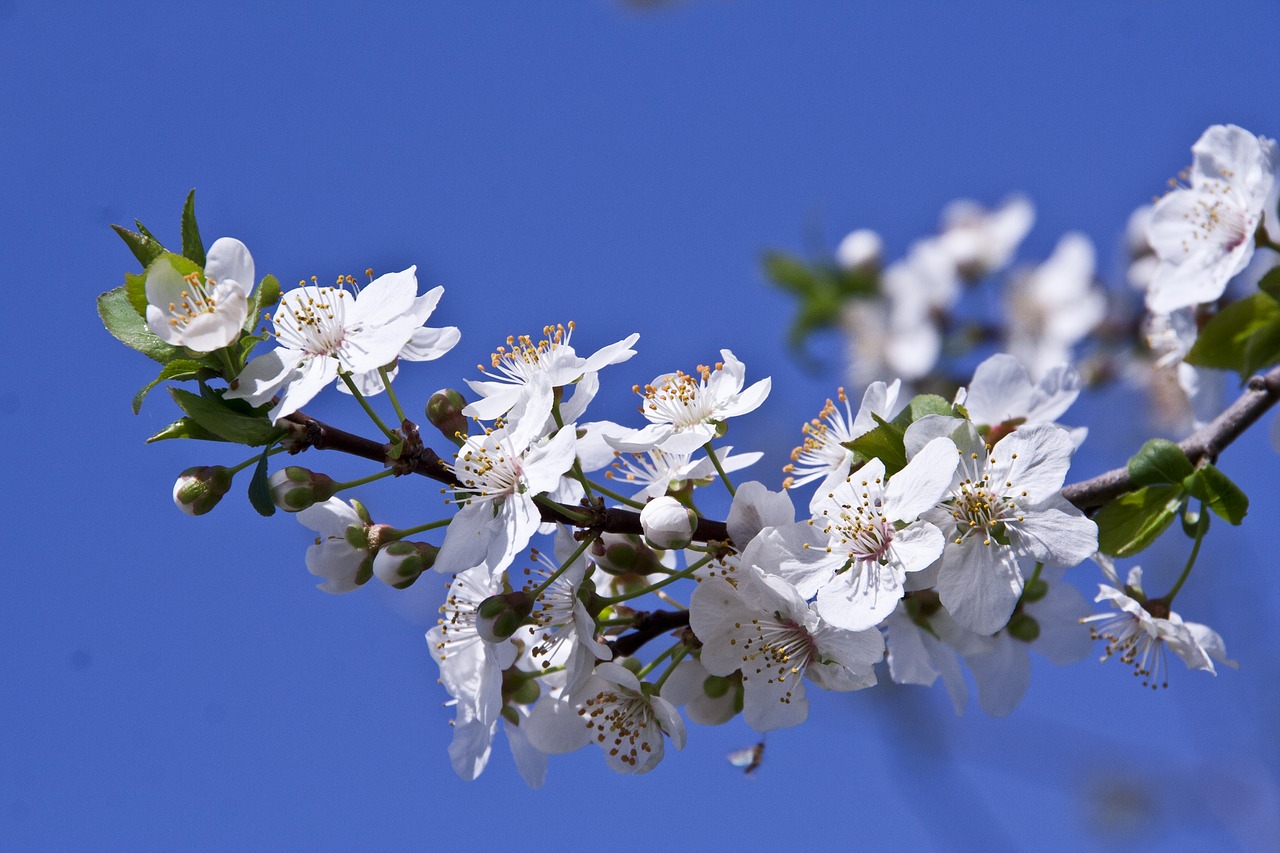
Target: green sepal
{"x": 126, "y": 326}
{"x": 886, "y": 443}
{"x": 1242, "y": 337}
{"x": 1158, "y": 462}
{"x": 260, "y": 488}
{"x": 192, "y": 247}
{"x": 185, "y": 428}
{"x": 1227, "y": 500}
{"x": 135, "y": 287}
{"x": 266, "y": 294}
{"x": 1134, "y": 520}
{"x": 226, "y": 419}
{"x": 144, "y": 247}
{"x": 180, "y": 368}
{"x": 921, "y": 405}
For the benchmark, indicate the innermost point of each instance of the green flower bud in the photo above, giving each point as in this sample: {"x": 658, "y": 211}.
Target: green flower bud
{"x": 1035, "y": 590}
{"x": 500, "y": 616}
{"x": 1023, "y": 627}
{"x": 399, "y": 564}
{"x": 294, "y": 488}
{"x": 444, "y": 412}
{"x": 199, "y": 489}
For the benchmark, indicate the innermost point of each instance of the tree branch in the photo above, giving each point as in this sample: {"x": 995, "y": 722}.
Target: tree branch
{"x": 1262, "y": 393}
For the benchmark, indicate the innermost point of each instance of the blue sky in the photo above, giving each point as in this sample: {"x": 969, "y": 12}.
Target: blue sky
{"x": 178, "y": 683}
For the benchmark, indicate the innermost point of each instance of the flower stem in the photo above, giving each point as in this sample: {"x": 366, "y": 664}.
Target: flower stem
{"x": 391, "y": 394}
{"x": 581, "y": 549}
{"x": 715, "y": 460}
{"x": 653, "y": 664}
{"x": 675, "y": 662}
{"x": 1202, "y": 527}
{"x": 582, "y": 519}
{"x": 364, "y": 404}
{"x": 253, "y": 460}
{"x": 422, "y": 528}
{"x": 670, "y": 579}
{"x": 351, "y": 484}
{"x": 610, "y": 493}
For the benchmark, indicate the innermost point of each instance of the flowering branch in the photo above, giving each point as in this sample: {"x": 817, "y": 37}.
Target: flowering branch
{"x": 1261, "y": 393}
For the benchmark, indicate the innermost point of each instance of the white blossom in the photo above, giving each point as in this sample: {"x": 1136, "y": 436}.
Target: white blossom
{"x": 344, "y": 565}
{"x": 1203, "y": 233}
{"x": 823, "y": 451}
{"x": 203, "y": 312}
{"x": 667, "y": 523}
{"x": 860, "y": 250}
{"x": 658, "y": 472}
{"x": 1054, "y": 306}
{"x": 980, "y": 241}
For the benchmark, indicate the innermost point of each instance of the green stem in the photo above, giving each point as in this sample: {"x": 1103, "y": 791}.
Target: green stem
{"x": 610, "y": 493}
{"x": 715, "y": 460}
{"x": 228, "y": 365}
{"x": 653, "y": 664}
{"x": 582, "y": 519}
{"x": 364, "y": 404}
{"x": 351, "y": 484}
{"x": 422, "y": 528}
{"x": 253, "y": 460}
{"x": 1035, "y": 576}
{"x": 670, "y": 579}
{"x": 675, "y": 662}
{"x": 391, "y": 394}
{"x": 586, "y": 543}
{"x": 1202, "y": 527}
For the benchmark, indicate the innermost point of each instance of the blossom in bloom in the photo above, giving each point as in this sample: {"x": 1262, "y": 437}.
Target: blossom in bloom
{"x": 340, "y": 554}
{"x": 321, "y": 331}
{"x": 1003, "y": 397}
{"x": 823, "y": 451}
{"x": 761, "y": 626}
{"x": 658, "y": 472}
{"x": 553, "y": 357}
{"x": 501, "y": 471}
{"x": 980, "y": 241}
{"x": 426, "y": 343}
{"x": 684, "y": 411}
{"x": 563, "y": 632}
{"x": 1203, "y": 233}
{"x": 864, "y": 536}
{"x": 201, "y": 312}
{"x": 1142, "y": 258}
{"x": 1140, "y": 629}
{"x": 1054, "y": 306}
{"x": 1004, "y": 504}
{"x": 612, "y": 710}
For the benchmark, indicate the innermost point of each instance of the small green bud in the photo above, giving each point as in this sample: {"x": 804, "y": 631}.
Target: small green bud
{"x": 199, "y": 489}
{"x": 1023, "y": 627}
{"x": 444, "y": 412}
{"x": 526, "y": 692}
{"x": 500, "y": 616}
{"x": 632, "y": 664}
{"x": 1035, "y": 590}
{"x": 400, "y": 563}
{"x": 294, "y": 488}
{"x": 716, "y": 686}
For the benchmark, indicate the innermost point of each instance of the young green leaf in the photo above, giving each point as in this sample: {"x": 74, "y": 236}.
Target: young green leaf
{"x": 265, "y": 295}
{"x": 1159, "y": 461}
{"x": 126, "y": 326}
{"x": 260, "y": 487}
{"x": 1225, "y": 340}
{"x": 135, "y": 287}
{"x": 1132, "y": 521}
{"x": 192, "y": 248}
{"x": 1270, "y": 283}
{"x": 220, "y": 418}
{"x": 144, "y": 247}
{"x": 885, "y": 443}
{"x": 1227, "y": 500}
{"x": 185, "y": 428}
{"x": 180, "y": 368}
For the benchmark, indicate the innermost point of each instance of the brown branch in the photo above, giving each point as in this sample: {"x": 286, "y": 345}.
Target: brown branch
{"x": 1262, "y": 393}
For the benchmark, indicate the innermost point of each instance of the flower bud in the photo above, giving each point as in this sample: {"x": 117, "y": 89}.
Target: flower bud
{"x": 1023, "y": 627}
{"x": 667, "y": 523}
{"x": 398, "y": 564}
{"x": 294, "y": 488}
{"x": 444, "y": 411}
{"x": 860, "y": 251}
{"x": 199, "y": 489}
{"x": 1034, "y": 590}
{"x": 500, "y": 616}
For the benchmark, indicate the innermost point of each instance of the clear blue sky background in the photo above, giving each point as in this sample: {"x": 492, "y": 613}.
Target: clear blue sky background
{"x": 177, "y": 683}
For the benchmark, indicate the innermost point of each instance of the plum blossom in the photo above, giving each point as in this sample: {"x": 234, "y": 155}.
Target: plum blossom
{"x": 1054, "y": 306}
{"x": 1002, "y": 396}
{"x": 563, "y": 631}
{"x": 760, "y": 625}
{"x": 1003, "y": 504}
{"x": 613, "y": 710}
{"x": 823, "y": 451}
{"x": 707, "y": 699}
{"x": 323, "y": 331}
{"x": 425, "y": 344}
{"x": 658, "y": 472}
{"x": 864, "y": 536}
{"x": 340, "y": 554}
{"x": 860, "y": 250}
{"x": 1140, "y": 629}
{"x": 1203, "y": 233}
{"x": 553, "y": 357}
{"x": 685, "y": 411}
{"x": 203, "y": 312}
{"x": 980, "y": 241}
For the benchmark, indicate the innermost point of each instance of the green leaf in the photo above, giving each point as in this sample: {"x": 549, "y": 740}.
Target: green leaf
{"x": 1225, "y": 341}
{"x": 788, "y": 272}
{"x": 1159, "y": 461}
{"x": 185, "y": 428}
{"x": 1270, "y": 283}
{"x": 144, "y": 247}
{"x": 260, "y": 488}
{"x": 1132, "y": 521}
{"x": 123, "y": 322}
{"x": 145, "y": 233}
{"x": 192, "y": 248}
{"x": 265, "y": 295}
{"x": 135, "y": 286}
{"x": 179, "y": 368}
{"x": 1261, "y": 350}
{"x": 929, "y": 404}
{"x": 885, "y": 443}
{"x": 219, "y": 417}
{"x": 1227, "y": 500}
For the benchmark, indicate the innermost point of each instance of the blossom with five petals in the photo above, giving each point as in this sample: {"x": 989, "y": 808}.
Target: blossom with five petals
{"x": 201, "y": 312}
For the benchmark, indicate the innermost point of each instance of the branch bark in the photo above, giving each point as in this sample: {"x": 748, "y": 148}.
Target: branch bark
{"x": 1262, "y": 392}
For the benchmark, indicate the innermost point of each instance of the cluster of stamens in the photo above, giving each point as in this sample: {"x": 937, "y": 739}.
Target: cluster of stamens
{"x": 1129, "y": 637}
{"x": 680, "y": 399}
{"x": 553, "y": 615}
{"x": 458, "y": 623}
{"x": 862, "y": 530}
{"x": 978, "y": 504}
{"x": 624, "y": 716}
{"x": 312, "y": 318}
{"x": 823, "y": 445}
{"x": 487, "y": 472}
{"x": 196, "y": 300}
{"x": 523, "y": 356}
{"x": 775, "y": 651}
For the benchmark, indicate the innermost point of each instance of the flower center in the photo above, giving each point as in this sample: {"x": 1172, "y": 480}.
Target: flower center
{"x": 980, "y": 506}
{"x": 624, "y": 717}
{"x": 680, "y": 399}
{"x": 523, "y": 357}
{"x": 313, "y": 319}
{"x": 775, "y": 650}
{"x": 197, "y": 299}
{"x": 488, "y": 472}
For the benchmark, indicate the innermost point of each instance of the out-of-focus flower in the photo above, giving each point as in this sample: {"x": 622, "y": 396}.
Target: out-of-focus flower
{"x": 1054, "y": 306}
{"x": 860, "y": 250}
{"x": 980, "y": 241}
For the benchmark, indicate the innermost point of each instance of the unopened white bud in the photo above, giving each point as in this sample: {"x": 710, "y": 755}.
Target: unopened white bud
{"x": 199, "y": 489}
{"x": 860, "y": 250}
{"x": 400, "y": 563}
{"x": 667, "y": 523}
